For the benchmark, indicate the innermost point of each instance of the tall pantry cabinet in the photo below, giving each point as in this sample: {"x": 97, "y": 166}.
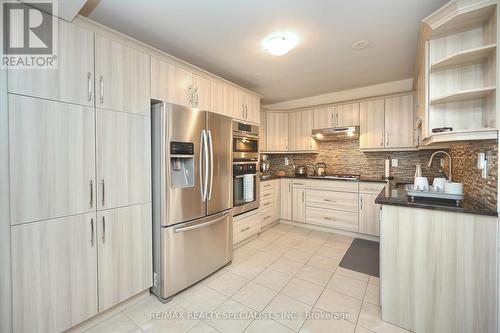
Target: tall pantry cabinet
{"x": 80, "y": 194}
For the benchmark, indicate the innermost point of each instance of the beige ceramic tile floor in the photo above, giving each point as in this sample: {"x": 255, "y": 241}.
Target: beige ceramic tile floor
{"x": 281, "y": 275}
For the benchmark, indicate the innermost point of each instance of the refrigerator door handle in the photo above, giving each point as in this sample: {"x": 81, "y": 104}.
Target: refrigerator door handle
{"x": 202, "y": 157}
{"x": 202, "y": 225}
{"x": 211, "y": 164}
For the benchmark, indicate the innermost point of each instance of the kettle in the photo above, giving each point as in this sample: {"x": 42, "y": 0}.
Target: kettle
{"x": 320, "y": 169}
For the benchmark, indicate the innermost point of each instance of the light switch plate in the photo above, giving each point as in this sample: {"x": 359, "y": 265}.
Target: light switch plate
{"x": 394, "y": 162}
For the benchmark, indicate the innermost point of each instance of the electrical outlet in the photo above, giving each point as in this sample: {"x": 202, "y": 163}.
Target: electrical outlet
{"x": 394, "y": 162}
{"x": 286, "y": 161}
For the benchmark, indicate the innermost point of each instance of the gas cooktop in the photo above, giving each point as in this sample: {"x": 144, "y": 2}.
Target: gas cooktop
{"x": 337, "y": 176}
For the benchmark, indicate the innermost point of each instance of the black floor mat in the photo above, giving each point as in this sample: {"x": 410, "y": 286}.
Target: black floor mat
{"x": 362, "y": 256}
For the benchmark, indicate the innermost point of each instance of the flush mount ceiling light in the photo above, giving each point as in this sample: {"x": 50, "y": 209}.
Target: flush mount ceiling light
{"x": 360, "y": 44}
{"x": 280, "y": 44}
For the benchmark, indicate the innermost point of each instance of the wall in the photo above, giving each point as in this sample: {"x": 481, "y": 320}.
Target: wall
{"x": 345, "y": 157}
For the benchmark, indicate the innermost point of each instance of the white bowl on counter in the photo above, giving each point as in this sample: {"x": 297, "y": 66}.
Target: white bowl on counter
{"x": 454, "y": 188}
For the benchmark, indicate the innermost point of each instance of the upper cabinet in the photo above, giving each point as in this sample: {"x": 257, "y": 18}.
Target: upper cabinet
{"x": 387, "y": 123}
{"x": 176, "y": 85}
{"x": 457, "y": 73}
{"x": 371, "y": 124}
{"x": 263, "y": 131}
{"x": 72, "y": 81}
{"x": 336, "y": 116}
{"x": 277, "y": 131}
{"x": 241, "y": 105}
{"x": 122, "y": 77}
{"x": 217, "y": 97}
{"x": 300, "y": 126}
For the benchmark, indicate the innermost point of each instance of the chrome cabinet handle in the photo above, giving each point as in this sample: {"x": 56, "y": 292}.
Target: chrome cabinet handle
{"x": 190, "y": 95}
{"x": 361, "y": 198}
{"x": 303, "y": 196}
{"x": 329, "y": 218}
{"x": 103, "y": 192}
{"x": 337, "y": 118}
{"x": 103, "y": 229}
{"x": 328, "y": 200}
{"x": 92, "y": 232}
{"x": 388, "y": 135}
{"x": 91, "y": 193}
{"x": 244, "y": 229}
{"x": 101, "y": 81}
{"x": 333, "y": 121}
{"x": 381, "y": 139}
{"x": 89, "y": 86}
{"x": 267, "y": 217}
{"x": 266, "y": 195}
{"x": 196, "y": 97}
{"x": 267, "y": 204}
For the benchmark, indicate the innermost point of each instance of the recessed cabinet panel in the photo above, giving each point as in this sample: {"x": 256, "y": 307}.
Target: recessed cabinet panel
{"x": 347, "y": 115}
{"x": 286, "y": 199}
{"x": 72, "y": 81}
{"x": 277, "y": 131}
{"x": 54, "y": 273}
{"x": 125, "y": 253}
{"x": 123, "y": 159}
{"x": 399, "y": 122}
{"x": 371, "y": 124}
{"x": 52, "y": 159}
{"x": 324, "y": 117}
{"x": 122, "y": 77}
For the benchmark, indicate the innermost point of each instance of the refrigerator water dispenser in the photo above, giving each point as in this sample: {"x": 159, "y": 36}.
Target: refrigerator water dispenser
{"x": 182, "y": 164}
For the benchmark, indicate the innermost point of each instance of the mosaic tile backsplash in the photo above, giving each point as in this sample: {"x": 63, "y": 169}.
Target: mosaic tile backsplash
{"x": 344, "y": 157}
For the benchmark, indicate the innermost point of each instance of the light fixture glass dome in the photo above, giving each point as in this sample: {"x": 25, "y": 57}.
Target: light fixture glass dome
{"x": 280, "y": 44}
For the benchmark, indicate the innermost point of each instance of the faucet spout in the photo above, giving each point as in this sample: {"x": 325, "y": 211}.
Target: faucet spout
{"x": 449, "y": 162}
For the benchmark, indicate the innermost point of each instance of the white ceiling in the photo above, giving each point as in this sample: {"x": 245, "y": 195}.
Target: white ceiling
{"x": 224, "y": 36}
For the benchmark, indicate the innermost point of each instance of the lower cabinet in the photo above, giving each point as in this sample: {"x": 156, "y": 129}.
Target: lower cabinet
{"x": 332, "y": 218}
{"x": 286, "y": 199}
{"x": 125, "y": 253}
{"x": 66, "y": 270}
{"x": 298, "y": 201}
{"x": 368, "y": 214}
{"x": 270, "y": 203}
{"x": 246, "y": 225}
{"x": 54, "y": 273}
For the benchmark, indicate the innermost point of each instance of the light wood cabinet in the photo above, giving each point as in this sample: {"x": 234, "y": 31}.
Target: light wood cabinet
{"x": 371, "y": 124}
{"x": 253, "y": 108}
{"x": 324, "y": 117}
{"x": 368, "y": 214}
{"x": 217, "y": 97}
{"x": 246, "y": 225}
{"x": 52, "y": 159}
{"x": 300, "y": 126}
{"x": 263, "y": 131}
{"x": 124, "y": 237}
{"x": 170, "y": 83}
{"x": 298, "y": 202}
{"x": 122, "y": 77}
{"x": 72, "y": 81}
{"x": 347, "y": 114}
{"x": 54, "y": 273}
{"x": 202, "y": 93}
{"x": 277, "y": 131}
{"x": 399, "y": 122}
{"x": 123, "y": 159}
{"x": 286, "y": 199}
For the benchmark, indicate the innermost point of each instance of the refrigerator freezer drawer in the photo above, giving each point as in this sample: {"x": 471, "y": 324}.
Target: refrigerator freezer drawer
{"x": 194, "y": 250}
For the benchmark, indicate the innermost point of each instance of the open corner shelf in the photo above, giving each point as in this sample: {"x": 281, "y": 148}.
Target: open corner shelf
{"x": 462, "y": 135}
{"x": 463, "y": 95}
{"x": 476, "y": 54}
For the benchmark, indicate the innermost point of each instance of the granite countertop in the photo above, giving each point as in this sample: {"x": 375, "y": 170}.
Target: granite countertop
{"x": 394, "y": 194}
{"x": 291, "y": 176}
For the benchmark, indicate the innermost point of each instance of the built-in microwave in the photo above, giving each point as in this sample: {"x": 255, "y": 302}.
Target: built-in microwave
{"x": 245, "y": 141}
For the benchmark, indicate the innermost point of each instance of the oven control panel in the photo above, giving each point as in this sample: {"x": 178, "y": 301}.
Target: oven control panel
{"x": 244, "y": 169}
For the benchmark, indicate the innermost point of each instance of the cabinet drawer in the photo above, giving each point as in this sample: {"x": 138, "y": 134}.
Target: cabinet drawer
{"x": 299, "y": 183}
{"x": 332, "y": 218}
{"x": 268, "y": 216}
{"x": 371, "y": 188}
{"x": 268, "y": 184}
{"x": 332, "y": 185}
{"x": 267, "y": 194}
{"x": 246, "y": 227}
{"x": 267, "y": 202}
{"x": 332, "y": 200}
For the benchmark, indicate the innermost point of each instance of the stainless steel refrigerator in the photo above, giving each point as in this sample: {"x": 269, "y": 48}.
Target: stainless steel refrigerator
{"x": 192, "y": 196}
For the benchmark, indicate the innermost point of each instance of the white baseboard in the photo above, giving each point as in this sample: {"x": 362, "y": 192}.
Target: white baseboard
{"x": 331, "y": 230}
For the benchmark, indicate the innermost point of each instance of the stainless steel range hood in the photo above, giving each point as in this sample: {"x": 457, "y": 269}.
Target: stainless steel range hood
{"x": 336, "y": 133}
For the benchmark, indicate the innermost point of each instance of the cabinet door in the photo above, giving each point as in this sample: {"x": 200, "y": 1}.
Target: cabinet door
{"x": 253, "y": 109}
{"x": 286, "y": 199}
{"x": 277, "y": 131}
{"x": 217, "y": 97}
{"x": 54, "y": 273}
{"x": 232, "y": 103}
{"x": 202, "y": 93}
{"x": 295, "y": 141}
{"x": 277, "y": 199}
{"x": 125, "y": 253}
{"x": 300, "y": 131}
{"x": 368, "y": 214}
{"x": 122, "y": 76}
{"x": 371, "y": 124}
{"x": 52, "y": 159}
{"x": 323, "y": 117}
{"x": 123, "y": 159}
{"x": 347, "y": 115}
{"x": 399, "y": 122}
{"x": 263, "y": 131}
{"x": 170, "y": 83}
{"x": 298, "y": 204}
{"x": 72, "y": 81}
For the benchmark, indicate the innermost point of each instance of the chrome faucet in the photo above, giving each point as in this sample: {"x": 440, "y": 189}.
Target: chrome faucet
{"x": 449, "y": 164}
